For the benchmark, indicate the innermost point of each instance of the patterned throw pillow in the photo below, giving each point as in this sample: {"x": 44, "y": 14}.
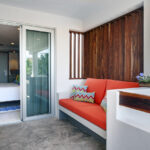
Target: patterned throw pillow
{"x": 104, "y": 103}
{"x": 84, "y": 97}
{"x": 77, "y": 88}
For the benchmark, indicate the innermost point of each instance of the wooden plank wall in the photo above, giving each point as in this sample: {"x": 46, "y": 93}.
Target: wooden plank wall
{"x": 115, "y": 50}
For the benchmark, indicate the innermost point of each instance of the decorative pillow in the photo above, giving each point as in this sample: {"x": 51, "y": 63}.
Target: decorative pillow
{"x": 77, "y": 88}
{"x": 104, "y": 103}
{"x": 84, "y": 97}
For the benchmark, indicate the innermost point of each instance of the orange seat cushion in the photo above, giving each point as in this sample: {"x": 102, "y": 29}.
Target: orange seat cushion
{"x": 98, "y": 86}
{"x": 114, "y": 84}
{"x": 91, "y": 112}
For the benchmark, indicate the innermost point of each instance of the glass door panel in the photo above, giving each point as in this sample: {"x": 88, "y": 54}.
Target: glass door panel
{"x": 37, "y": 73}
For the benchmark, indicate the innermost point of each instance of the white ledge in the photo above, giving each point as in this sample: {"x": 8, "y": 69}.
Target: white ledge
{"x": 132, "y": 117}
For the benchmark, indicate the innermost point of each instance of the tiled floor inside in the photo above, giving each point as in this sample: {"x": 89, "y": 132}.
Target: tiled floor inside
{"x": 9, "y": 117}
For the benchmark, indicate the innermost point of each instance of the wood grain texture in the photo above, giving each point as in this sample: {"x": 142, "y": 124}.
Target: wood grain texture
{"x": 74, "y": 55}
{"x": 135, "y": 101}
{"x": 115, "y": 50}
{"x": 70, "y": 55}
{"x": 79, "y": 56}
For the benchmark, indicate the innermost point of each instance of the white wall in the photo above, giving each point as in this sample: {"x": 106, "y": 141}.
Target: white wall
{"x": 62, "y": 25}
{"x": 147, "y": 37}
{"x": 120, "y": 135}
{"x": 113, "y": 9}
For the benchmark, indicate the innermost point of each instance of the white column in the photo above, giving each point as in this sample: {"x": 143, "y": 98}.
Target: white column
{"x": 147, "y": 37}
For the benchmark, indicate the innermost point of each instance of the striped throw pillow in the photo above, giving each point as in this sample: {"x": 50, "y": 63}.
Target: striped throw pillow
{"x": 77, "y": 88}
{"x": 84, "y": 97}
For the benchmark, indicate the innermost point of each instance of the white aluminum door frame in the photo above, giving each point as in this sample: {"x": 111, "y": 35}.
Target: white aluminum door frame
{"x": 24, "y": 28}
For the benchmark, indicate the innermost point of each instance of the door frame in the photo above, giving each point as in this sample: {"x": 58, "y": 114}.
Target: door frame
{"x": 53, "y": 79}
{"x": 23, "y": 72}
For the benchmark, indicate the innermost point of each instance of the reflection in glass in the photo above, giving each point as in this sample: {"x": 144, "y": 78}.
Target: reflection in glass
{"x": 37, "y": 72}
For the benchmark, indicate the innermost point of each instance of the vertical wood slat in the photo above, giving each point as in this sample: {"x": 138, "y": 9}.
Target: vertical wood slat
{"x": 82, "y": 63}
{"x": 94, "y": 54}
{"x": 100, "y": 54}
{"x": 105, "y": 52}
{"x": 90, "y": 59}
{"x": 141, "y": 38}
{"x": 79, "y": 55}
{"x": 70, "y": 55}
{"x": 116, "y": 49}
{"x": 128, "y": 47}
{"x": 85, "y": 52}
{"x": 74, "y": 55}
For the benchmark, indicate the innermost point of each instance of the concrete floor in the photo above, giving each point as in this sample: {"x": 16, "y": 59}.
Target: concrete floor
{"x": 46, "y": 134}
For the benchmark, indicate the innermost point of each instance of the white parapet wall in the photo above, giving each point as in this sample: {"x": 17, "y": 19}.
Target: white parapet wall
{"x": 127, "y": 129}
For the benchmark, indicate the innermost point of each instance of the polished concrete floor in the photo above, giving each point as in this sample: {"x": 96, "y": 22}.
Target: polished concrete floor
{"x": 46, "y": 134}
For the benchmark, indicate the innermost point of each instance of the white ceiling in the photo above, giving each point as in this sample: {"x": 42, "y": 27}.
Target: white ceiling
{"x": 72, "y": 8}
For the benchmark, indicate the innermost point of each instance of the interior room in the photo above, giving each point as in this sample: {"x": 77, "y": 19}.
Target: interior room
{"x": 9, "y": 74}
{"x": 74, "y": 75}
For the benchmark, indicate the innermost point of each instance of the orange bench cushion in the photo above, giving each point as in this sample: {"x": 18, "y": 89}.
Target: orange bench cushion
{"x": 98, "y": 86}
{"x": 91, "y": 112}
{"x": 114, "y": 84}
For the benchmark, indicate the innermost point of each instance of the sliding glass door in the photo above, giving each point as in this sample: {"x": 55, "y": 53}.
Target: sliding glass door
{"x": 37, "y": 74}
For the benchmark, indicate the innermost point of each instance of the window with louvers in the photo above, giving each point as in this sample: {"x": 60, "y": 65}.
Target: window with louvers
{"x": 76, "y": 54}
